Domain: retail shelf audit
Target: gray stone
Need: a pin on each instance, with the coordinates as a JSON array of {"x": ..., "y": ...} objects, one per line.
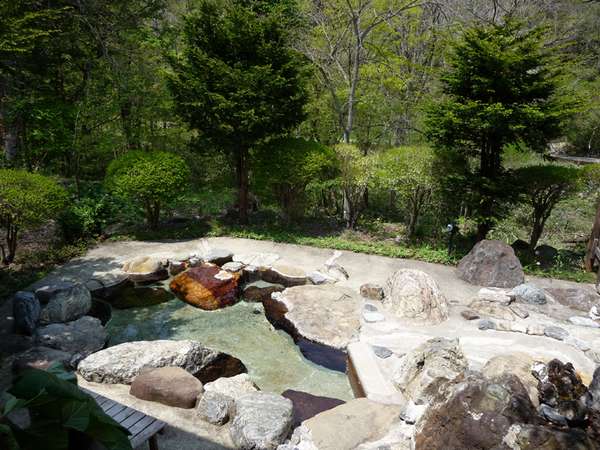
[
  {"x": 382, "y": 352},
  {"x": 233, "y": 387},
  {"x": 557, "y": 333},
  {"x": 492, "y": 294},
  {"x": 143, "y": 269},
  {"x": 64, "y": 302},
  {"x": 420, "y": 371},
  {"x": 584, "y": 322},
  {"x": 493, "y": 309},
  {"x": 528, "y": 293},
  {"x": 486, "y": 324},
  {"x": 233, "y": 266},
  {"x": 372, "y": 291},
  {"x": 594, "y": 391},
  {"x": 215, "y": 407},
  {"x": 122, "y": 363},
  {"x": 262, "y": 421},
  {"x": 26, "y": 312},
  {"x": 577, "y": 343},
  {"x": 412, "y": 294},
  {"x": 218, "y": 256},
  {"x": 84, "y": 336},
  {"x": 492, "y": 264}
]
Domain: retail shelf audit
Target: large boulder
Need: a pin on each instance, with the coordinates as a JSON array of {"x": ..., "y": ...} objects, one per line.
[
  {"x": 171, "y": 386},
  {"x": 325, "y": 314},
  {"x": 206, "y": 287},
  {"x": 262, "y": 421},
  {"x": 421, "y": 371},
  {"x": 412, "y": 294},
  {"x": 233, "y": 387},
  {"x": 123, "y": 362},
  {"x": 491, "y": 263},
  {"x": 307, "y": 405},
  {"x": 63, "y": 302},
  {"x": 518, "y": 364},
  {"x": 143, "y": 269},
  {"x": 26, "y": 312},
  {"x": 581, "y": 299},
  {"x": 357, "y": 422},
  {"x": 83, "y": 336},
  {"x": 477, "y": 414}
]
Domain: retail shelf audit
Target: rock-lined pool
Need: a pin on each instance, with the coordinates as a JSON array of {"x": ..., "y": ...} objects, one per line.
[{"x": 273, "y": 360}]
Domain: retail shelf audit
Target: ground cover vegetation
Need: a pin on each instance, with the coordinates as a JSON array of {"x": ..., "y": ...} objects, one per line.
[{"x": 402, "y": 128}]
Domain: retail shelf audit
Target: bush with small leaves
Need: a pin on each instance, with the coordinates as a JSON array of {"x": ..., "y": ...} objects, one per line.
[
  {"x": 150, "y": 178},
  {"x": 542, "y": 187},
  {"x": 27, "y": 200}
]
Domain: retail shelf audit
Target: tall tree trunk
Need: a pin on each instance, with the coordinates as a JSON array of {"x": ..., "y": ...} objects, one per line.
[
  {"x": 8, "y": 134},
  {"x": 243, "y": 183},
  {"x": 589, "y": 257},
  {"x": 353, "y": 78},
  {"x": 9, "y": 253}
]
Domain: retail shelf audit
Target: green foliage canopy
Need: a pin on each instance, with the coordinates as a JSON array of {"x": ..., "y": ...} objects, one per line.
[
  {"x": 409, "y": 171},
  {"x": 26, "y": 200},
  {"x": 152, "y": 178},
  {"x": 542, "y": 187},
  {"x": 288, "y": 168},
  {"x": 239, "y": 81},
  {"x": 501, "y": 88}
]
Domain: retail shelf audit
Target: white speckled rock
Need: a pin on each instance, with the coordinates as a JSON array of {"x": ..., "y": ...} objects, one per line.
[
  {"x": 215, "y": 407},
  {"x": 262, "y": 421},
  {"x": 123, "y": 362},
  {"x": 438, "y": 358},
  {"x": 584, "y": 322},
  {"x": 412, "y": 294},
  {"x": 234, "y": 387}
]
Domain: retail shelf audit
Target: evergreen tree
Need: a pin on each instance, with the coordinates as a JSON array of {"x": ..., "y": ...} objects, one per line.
[
  {"x": 239, "y": 81},
  {"x": 501, "y": 88}
]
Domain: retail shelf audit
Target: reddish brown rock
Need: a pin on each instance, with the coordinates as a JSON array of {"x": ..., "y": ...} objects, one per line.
[
  {"x": 206, "y": 286},
  {"x": 171, "y": 386}
]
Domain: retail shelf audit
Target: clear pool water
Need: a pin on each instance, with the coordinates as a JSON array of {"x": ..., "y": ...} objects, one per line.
[{"x": 273, "y": 360}]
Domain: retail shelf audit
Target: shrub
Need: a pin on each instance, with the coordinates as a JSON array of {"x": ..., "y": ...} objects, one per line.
[
  {"x": 26, "y": 200},
  {"x": 287, "y": 169},
  {"x": 408, "y": 171},
  {"x": 151, "y": 178},
  {"x": 84, "y": 219},
  {"x": 542, "y": 187},
  {"x": 357, "y": 171}
]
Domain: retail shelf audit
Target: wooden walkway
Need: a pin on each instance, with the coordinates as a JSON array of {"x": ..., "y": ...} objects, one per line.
[{"x": 141, "y": 426}]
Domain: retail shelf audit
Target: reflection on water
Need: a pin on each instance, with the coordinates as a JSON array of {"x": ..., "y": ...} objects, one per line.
[{"x": 273, "y": 360}]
